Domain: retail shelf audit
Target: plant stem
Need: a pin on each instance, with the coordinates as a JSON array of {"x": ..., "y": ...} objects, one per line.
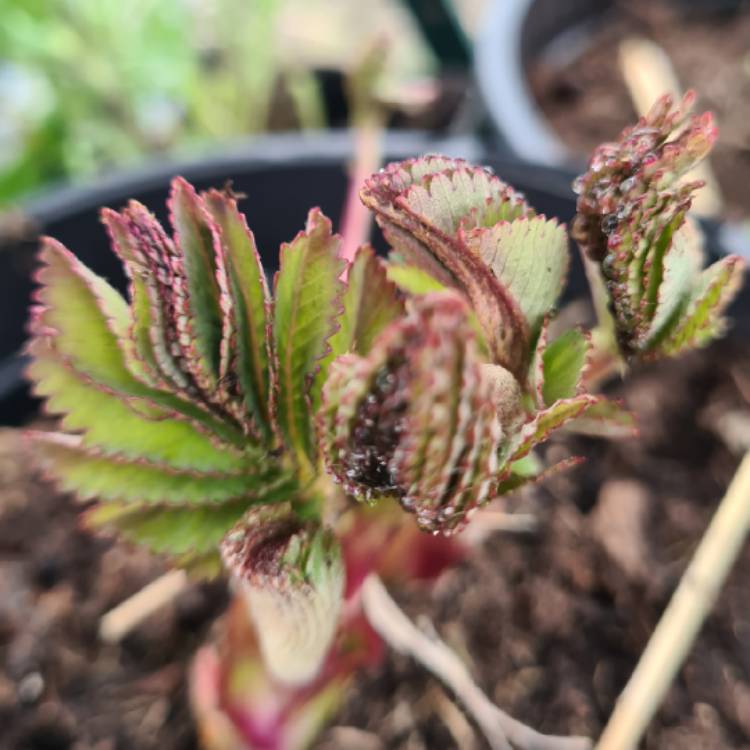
[
  {"x": 501, "y": 731},
  {"x": 356, "y": 220},
  {"x": 683, "y": 617}
]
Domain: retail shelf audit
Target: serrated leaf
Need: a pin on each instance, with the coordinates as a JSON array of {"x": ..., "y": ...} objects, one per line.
[
  {"x": 200, "y": 323},
  {"x": 535, "y": 380},
  {"x": 564, "y": 361},
  {"x": 251, "y": 306},
  {"x": 141, "y": 359},
  {"x": 607, "y": 419},
  {"x": 702, "y": 321},
  {"x": 82, "y": 317},
  {"x": 682, "y": 266},
  {"x": 150, "y": 259},
  {"x": 370, "y": 302},
  {"x": 530, "y": 258},
  {"x": 538, "y": 429},
  {"x": 90, "y": 475},
  {"x": 516, "y": 481},
  {"x": 306, "y": 304},
  {"x": 413, "y": 280},
  {"x": 175, "y": 531},
  {"x": 109, "y": 424},
  {"x": 430, "y": 209}
]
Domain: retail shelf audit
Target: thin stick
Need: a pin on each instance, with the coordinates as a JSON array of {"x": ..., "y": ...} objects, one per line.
[
  {"x": 683, "y": 617},
  {"x": 501, "y": 730},
  {"x": 118, "y": 622}
]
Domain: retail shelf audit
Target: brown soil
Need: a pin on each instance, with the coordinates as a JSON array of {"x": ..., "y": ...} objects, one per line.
[
  {"x": 587, "y": 102},
  {"x": 551, "y": 624}
]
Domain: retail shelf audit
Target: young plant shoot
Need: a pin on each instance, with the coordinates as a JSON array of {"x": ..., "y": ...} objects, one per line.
[{"x": 304, "y": 436}]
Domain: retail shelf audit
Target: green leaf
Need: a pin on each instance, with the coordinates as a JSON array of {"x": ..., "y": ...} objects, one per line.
[
  {"x": 413, "y": 280},
  {"x": 682, "y": 266},
  {"x": 371, "y": 301},
  {"x": 538, "y": 429},
  {"x": 701, "y": 322},
  {"x": 564, "y": 361},
  {"x": 307, "y": 302},
  {"x": 433, "y": 207},
  {"x": 85, "y": 314},
  {"x": 167, "y": 529},
  {"x": 607, "y": 419},
  {"x": 110, "y": 424},
  {"x": 90, "y": 475},
  {"x": 82, "y": 316},
  {"x": 200, "y": 321},
  {"x": 250, "y": 304},
  {"x": 530, "y": 258}
]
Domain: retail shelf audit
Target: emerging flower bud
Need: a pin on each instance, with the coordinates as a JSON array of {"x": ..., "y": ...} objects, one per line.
[
  {"x": 420, "y": 418},
  {"x": 292, "y": 578}
]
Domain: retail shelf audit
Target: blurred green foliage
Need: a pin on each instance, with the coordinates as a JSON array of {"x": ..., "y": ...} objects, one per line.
[{"x": 88, "y": 84}]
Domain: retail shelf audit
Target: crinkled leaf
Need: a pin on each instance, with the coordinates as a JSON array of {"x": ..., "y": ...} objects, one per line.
[
  {"x": 530, "y": 258},
  {"x": 250, "y": 305},
  {"x": 158, "y": 292},
  {"x": 90, "y": 475},
  {"x": 564, "y": 361},
  {"x": 201, "y": 319},
  {"x": 307, "y": 302},
  {"x": 83, "y": 317},
  {"x": 632, "y": 208},
  {"x": 420, "y": 419},
  {"x": 431, "y": 200}
]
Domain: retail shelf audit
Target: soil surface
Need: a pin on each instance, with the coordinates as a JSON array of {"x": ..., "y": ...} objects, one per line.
[
  {"x": 551, "y": 623},
  {"x": 580, "y": 89}
]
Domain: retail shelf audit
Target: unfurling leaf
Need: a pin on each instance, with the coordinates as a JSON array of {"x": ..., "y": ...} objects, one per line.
[
  {"x": 429, "y": 209},
  {"x": 631, "y": 220},
  {"x": 307, "y": 303},
  {"x": 292, "y": 578},
  {"x": 416, "y": 419}
]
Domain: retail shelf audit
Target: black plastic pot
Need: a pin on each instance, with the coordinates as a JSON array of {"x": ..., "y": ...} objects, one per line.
[{"x": 282, "y": 177}]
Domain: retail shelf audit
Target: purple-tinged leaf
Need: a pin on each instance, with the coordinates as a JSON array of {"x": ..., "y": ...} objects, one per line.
[
  {"x": 81, "y": 317},
  {"x": 198, "y": 292},
  {"x": 429, "y": 200},
  {"x": 134, "y": 428},
  {"x": 250, "y": 308},
  {"x": 421, "y": 418}
]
